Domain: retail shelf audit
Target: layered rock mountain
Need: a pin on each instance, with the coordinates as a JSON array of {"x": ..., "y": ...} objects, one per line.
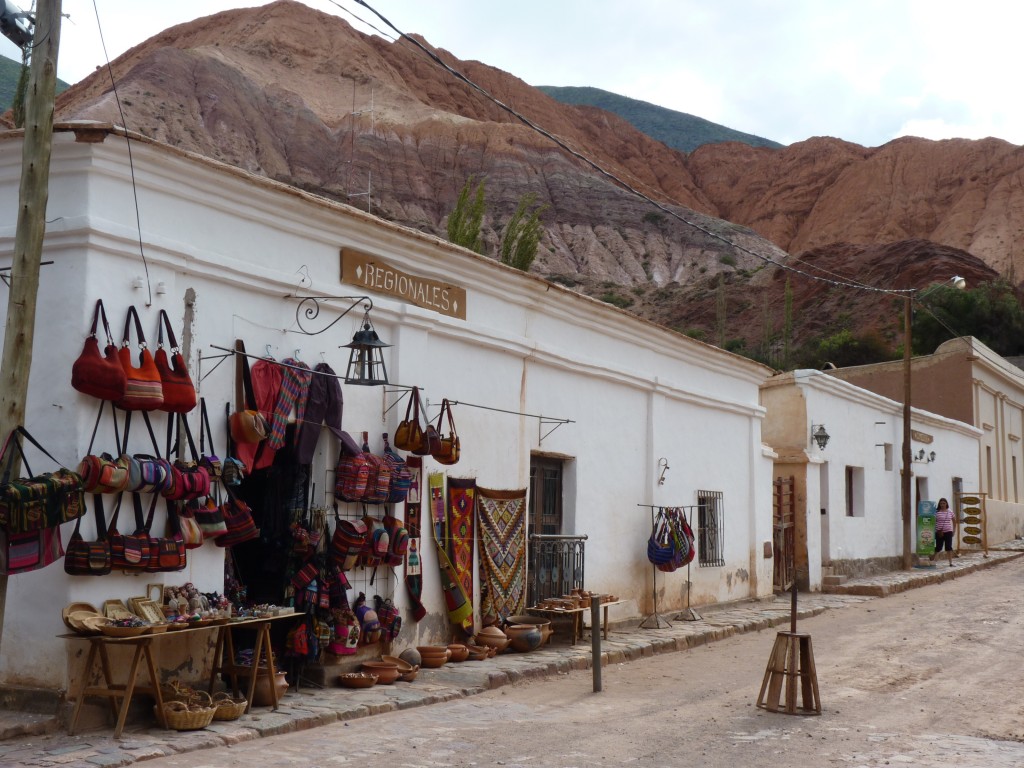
[{"x": 299, "y": 96}]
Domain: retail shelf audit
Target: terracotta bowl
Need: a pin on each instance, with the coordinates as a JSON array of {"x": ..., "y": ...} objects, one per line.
[
  {"x": 357, "y": 680},
  {"x": 434, "y": 656},
  {"x": 459, "y": 652},
  {"x": 403, "y": 665},
  {"x": 386, "y": 672}
]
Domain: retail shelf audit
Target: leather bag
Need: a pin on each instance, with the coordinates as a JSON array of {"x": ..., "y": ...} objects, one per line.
[
  {"x": 144, "y": 391},
  {"x": 99, "y": 374},
  {"x": 178, "y": 389},
  {"x": 409, "y": 434},
  {"x": 450, "y": 448}
]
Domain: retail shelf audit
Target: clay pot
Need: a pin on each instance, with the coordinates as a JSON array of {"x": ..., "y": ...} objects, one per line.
[
  {"x": 406, "y": 671},
  {"x": 538, "y": 621},
  {"x": 262, "y": 696},
  {"x": 478, "y": 652},
  {"x": 524, "y": 638},
  {"x": 492, "y": 637},
  {"x": 411, "y": 656},
  {"x": 459, "y": 652},
  {"x": 386, "y": 672}
]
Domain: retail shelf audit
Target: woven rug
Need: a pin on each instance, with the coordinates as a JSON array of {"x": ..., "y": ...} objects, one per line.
[
  {"x": 457, "y": 602},
  {"x": 502, "y": 519},
  {"x": 413, "y": 564},
  {"x": 459, "y": 545}
]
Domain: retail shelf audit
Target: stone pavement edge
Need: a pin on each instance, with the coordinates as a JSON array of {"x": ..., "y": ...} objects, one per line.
[{"x": 32, "y": 740}]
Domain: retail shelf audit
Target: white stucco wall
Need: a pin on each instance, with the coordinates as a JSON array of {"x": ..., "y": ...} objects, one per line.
[
  {"x": 635, "y": 392},
  {"x": 861, "y": 425}
]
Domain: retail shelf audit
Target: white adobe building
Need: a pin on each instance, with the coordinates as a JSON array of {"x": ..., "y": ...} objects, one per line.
[{"x": 233, "y": 251}]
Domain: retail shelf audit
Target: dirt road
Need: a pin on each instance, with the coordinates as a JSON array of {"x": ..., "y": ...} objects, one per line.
[{"x": 926, "y": 678}]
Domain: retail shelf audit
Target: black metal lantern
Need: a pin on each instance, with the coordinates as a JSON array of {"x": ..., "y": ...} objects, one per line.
[
  {"x": 366, "y": 361},
  {"x": 820, "y": 436}
]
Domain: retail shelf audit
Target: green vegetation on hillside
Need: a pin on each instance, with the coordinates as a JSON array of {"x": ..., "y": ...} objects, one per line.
[
  {"x": 9, "y": 71},
  {"x": 674, "y": 129}
]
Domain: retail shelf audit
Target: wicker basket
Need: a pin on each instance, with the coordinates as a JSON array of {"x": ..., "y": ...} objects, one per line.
[
  {"x": 180, "y": 716},
  {"x": 228, "y": 708}
]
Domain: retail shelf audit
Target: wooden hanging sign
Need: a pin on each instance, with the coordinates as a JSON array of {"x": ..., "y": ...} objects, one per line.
[{"x": 372, "y": 274}]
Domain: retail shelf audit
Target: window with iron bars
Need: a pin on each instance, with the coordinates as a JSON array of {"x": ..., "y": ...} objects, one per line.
[{"x": 710, "y": 528}]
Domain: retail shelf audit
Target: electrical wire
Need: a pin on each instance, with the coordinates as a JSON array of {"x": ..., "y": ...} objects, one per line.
[
  {"x": 836, "y": 281},
  {"x": 128, "y": 143}
]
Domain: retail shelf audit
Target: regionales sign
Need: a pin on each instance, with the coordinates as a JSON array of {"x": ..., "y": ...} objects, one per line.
[{"x": 373, "y": 274}]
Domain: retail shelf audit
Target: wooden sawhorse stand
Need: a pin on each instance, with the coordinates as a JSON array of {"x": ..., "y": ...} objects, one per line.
[
  {"x": 224, "y": 660},
  {"x": 791, "y": 661},
  {"x": 114, "y": 691}
]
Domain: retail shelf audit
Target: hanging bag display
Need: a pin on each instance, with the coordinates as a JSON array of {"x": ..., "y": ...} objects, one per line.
[
  {"x": 99, "y": 374},
  {"x": 144, "y": 391},
  {"x": 89, "y": 558},
  {"x": 30, "y": 551},
  {"x": 209, "y": 461},
  {"x": 190, "y": 479},
  {"x": 179, "y": 392},
  {"x": 352, "y": 473},
  {"x": 209, "y": 517},
  {"x": 378, "y": 479},
  {"x": 127, "y": 552},
  {"x": 347, "y": 542},
  {"x": 409, "y": 435},
  {"x": 247, "y": 425},
  {"x": 450, "y": 447},
  {"x": 240, "y": 525},
  {"x": 191, "y": 533},
  {"x": 104, "y": 473},
  {"x": 401, "y": 476},
  {"x": 38, "y": 501}
]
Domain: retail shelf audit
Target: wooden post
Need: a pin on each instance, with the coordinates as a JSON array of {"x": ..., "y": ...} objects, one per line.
[{"x": 16, "y": 363}]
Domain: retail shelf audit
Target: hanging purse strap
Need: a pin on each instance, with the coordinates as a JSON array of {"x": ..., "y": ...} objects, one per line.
[
  {"x": 446, "y": 408},
  {"x": 164, "y": 321},
  {"x": 126, "y": 338},
  {"x": 204, "y": 428},
  {"x": 9, "y": 463},
  {"x": 413, "y": 405},
  {"x": 244, "y": 392},
  {"x": 182, "y": 424},
  {"x": 96, "y": 426},
  {"x": 98, "y": 314},
  {"x": 123, "y": 448},
  {"x": 140, "y": 524}
]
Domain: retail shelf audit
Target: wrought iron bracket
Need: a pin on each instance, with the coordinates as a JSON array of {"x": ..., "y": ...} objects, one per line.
[{"x": 309, "y": 308}]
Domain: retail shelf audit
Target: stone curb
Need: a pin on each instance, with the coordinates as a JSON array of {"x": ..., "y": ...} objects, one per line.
[{"x": 314, "y": 708}]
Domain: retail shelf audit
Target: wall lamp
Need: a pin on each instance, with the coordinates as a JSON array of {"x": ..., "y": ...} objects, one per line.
[
  {"x": 927, "y": 458},
  {"x": 366, "y": 356},
  {"x": 820, "y": 436}
]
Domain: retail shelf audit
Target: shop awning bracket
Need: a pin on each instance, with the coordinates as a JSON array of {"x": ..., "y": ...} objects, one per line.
[
  {"x": 542, "y": 421},
  {"x": 309, "y": 308}
]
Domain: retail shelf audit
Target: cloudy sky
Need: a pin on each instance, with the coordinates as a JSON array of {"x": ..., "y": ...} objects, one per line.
[{"x": 867, "y": 71}]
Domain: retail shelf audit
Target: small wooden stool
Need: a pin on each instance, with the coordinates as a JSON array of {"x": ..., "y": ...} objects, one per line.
[{"x": 791, "y": 659}]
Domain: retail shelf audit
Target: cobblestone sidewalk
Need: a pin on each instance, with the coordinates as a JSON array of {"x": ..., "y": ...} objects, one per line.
[{"x": 34, "y": 740}]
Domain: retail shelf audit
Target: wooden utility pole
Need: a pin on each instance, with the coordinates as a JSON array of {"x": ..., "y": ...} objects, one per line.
[{"x": 16, "y": 363}]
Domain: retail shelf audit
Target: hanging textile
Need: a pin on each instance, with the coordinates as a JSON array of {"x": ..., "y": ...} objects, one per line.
[
  {"x": 292, "y": 394},
  {"x": 266, "y": 383},
  {"x": 461, "y": 502},
  {"x": 413, "y": 524},
  {"x": 458, "y": 604},
  {"x": 324, "y": 405},
  {"x": 502, "y": 518}
]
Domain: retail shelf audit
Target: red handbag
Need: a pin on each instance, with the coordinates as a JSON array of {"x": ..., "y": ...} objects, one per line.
[
  {"x": 99, "y": 375},
  {"x": 144, "y": 391},
  {"x": 179, "y": 392}
]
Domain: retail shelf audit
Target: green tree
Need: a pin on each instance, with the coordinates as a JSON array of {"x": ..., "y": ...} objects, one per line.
[
  {"x": 844, "y": 348},
  {"x": 521, "y": 238},
  {"x": 466, "y": 219},
  {"x": 20, "y": 91},
  {"x": 990, "y": 312}
]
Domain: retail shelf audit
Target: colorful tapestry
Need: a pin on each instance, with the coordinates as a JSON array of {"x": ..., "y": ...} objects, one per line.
[
  {"x": 461, "y": 534},
  {"x": 502, "y": 518},
  {"x": 413, "y": 567},
  {"x": 457, "y": 600}
]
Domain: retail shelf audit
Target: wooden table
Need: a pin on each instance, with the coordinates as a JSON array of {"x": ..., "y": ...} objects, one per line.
[
  {"x": 145, "y": 653},
  {"x": 576, "y": 614}
]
